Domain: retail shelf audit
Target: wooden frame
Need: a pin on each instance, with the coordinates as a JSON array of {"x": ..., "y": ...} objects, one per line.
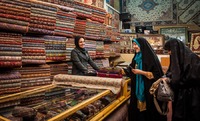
[
  {"x": 155, "y": 40},
  {"x": 180, "y": 33},
  {"x": 195, "y": 42}
]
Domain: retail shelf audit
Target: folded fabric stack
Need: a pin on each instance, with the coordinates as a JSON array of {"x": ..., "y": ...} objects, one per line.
[
  {"x": 10, "y": 50},
  {"x": 55, "y": 47},
  {"x": 98, "y": 14},
  {"x": 14, "y": 15},
  {"x": 80, "y": 26},
  {"x": 33, "y": 50},
  {"x": 107, "y": 50},
  {"x": 10, "y": 81},
  {"x": 92, "y": 30},
  {"x": 69, "y": 67},
  {"x": 82, "y": 10},
  {"x": 43, "y": 18},
  {"x": 99, "y": 49},
  {"x": 90, "y": 46},
  {"x": 61, "y": 68},
  {"x": 65, "y": 22},
  {"x": 34, "y": 76},
  {"x": 69, "y": 47},
  {"x": 112, "y": 72}
]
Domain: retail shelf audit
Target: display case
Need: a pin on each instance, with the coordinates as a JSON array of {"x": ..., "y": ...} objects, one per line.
[{"x": 68, "y": 98}]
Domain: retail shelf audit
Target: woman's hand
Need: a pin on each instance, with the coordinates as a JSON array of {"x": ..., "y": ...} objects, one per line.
[
  {"x": 137, "y": 71},
  {"x": 149, "y": 75}
]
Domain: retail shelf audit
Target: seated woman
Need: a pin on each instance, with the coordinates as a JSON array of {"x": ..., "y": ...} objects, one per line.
[{"x": 80, "y": 58}]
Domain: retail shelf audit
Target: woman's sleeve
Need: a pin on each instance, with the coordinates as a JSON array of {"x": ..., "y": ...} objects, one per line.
[
  {"x": 75, "y": 59},
  {"x": 91, "y": 62},
  {"x": 128, "y": 70}
]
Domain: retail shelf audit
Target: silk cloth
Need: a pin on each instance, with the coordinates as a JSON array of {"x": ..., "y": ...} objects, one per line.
[{"x": 90, "y": 82}]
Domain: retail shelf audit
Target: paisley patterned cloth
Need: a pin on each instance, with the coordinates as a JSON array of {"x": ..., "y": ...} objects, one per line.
[{"x": 89, "y": 82}]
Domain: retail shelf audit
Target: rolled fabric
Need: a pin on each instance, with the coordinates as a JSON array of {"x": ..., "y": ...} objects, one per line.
[{"x": 90, "y": 82}]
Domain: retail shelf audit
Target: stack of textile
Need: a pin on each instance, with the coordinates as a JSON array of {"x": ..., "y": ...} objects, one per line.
[
  {"x": 80, "y": 26},
  {"x": 55, "y": 69},
  {"x": 32, "y": 100},
  {"x": 98, "y": 14},
  {"x": 33, "y": 76},
  {"x": 112, "y": 72},
  {"x": 65, "y": 22},
  {"x": 99, "y": 49},
  {"x": 10, "y": 50},
  {"x": 90, "y": 46},
  {"x": 33, "y": 50},
  {"x": 10, "y": 81},
  {"x": 43, "y": 18},
  {"x": 14, "y": 15},
  {"x": 107, "y": 50},
  {"x": 82, "y": 10},
  {"x": 55, "y": 47},
  {"x": 109, "y": 33},
  {"x": 92, "y": 30},
  {"x": 69, "y": 47},
  {"x": 69, "y": 67}
]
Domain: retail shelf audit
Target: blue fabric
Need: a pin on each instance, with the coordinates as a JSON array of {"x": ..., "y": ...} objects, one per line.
[
  {"x": 139, "y": 80},
  {"x": 134, "y": 40}
]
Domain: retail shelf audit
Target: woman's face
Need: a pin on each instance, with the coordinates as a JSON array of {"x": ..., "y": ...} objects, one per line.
[
  {"x": 81, "y": 43},
  {"x": 136, "y": 47}
]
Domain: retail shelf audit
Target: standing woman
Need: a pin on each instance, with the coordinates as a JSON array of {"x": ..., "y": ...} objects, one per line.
[
  {"x": 144, "y": 70},
  {"x": 184, "y": 71},
  {"x": 80, "y": 58}
]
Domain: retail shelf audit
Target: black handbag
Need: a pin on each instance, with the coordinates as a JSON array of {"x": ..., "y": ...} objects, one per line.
[{"x": 162, "y": 91}]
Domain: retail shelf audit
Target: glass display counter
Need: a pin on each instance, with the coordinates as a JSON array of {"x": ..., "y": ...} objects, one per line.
[{"x": 60, "y": 101}]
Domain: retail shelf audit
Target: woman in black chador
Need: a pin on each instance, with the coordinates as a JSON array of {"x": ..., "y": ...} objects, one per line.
[
  {"x": 144, "y": 70},
  {"x": 184, "y": 71}
]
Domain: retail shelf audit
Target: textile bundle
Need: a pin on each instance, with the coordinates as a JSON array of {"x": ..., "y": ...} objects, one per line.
[
  {"x": 34, "y": 76},
  {"x": 65, "y": 22},
  {"x": 112, "y": 72},
  {"x": 33, "y": 50},
  {"x": 99, "y": 49},
  {"x": 55, "y": 47},
  {"x": 69, "y": 47},
  {"x": 10, "y": 50},
  {"x": 10, "y": 81},
  {"x": 55, "y": 69},
  {"x": 14, "y": 15},
  {"x": 90, "y": 82}
]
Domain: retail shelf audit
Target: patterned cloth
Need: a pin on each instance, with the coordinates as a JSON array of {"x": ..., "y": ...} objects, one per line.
[{"x": 90, "y": 82}]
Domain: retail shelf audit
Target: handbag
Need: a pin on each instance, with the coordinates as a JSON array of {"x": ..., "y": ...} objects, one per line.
[{"x": 162, "y": 91}]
